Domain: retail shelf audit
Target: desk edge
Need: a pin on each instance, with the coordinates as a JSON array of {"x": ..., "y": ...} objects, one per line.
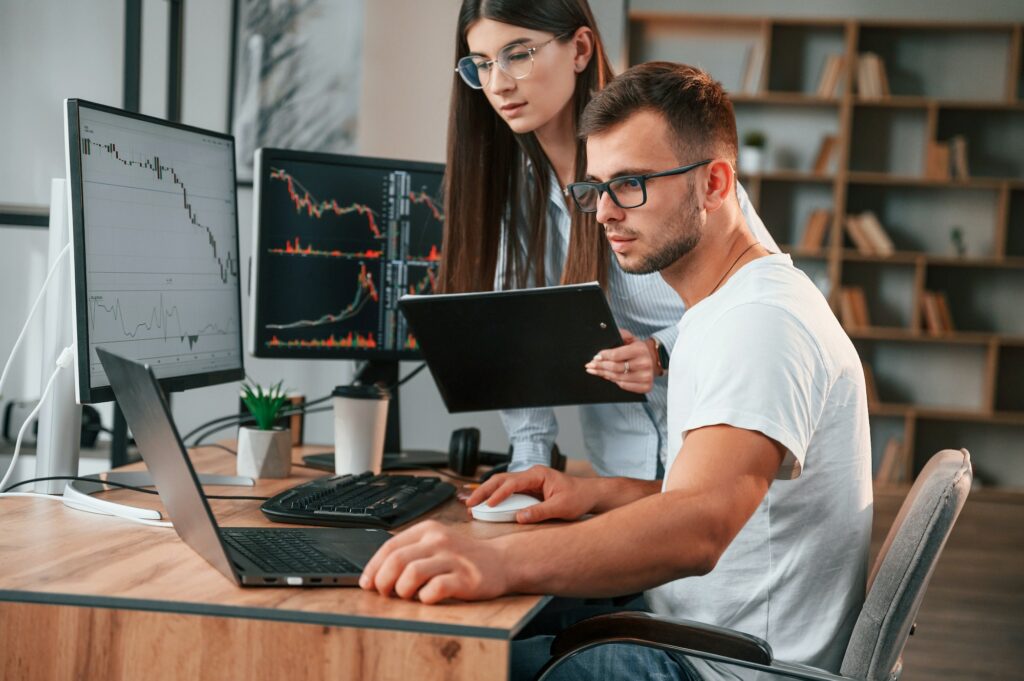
[{"x": 271, "y": 614}]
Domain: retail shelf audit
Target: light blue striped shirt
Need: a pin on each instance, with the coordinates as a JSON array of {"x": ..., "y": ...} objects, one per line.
[{"x": 626, "y": 439}]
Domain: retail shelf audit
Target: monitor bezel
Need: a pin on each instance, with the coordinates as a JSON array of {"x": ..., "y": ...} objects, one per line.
[
  {"x": 85, "y": 392},
  {"x": 264, "y": 157}
]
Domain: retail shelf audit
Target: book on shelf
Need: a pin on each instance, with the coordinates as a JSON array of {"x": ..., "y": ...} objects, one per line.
[
  {"x": 853, "y": 308},
  {"x": 936, "y": 162},
  {"x": 870, "y": 387},
  {"x": 958, "y": 157},
  {"x": 753, "y": 68},
  {"x": 875, "y": 233},
  {"x": 945, "y": 317},
  {"x": 858, "y": 236},
  {"x": 890, "y": 469},
  {"x": 831, "y": 76},
  {"x": 814, "y": 230},
  {"x": 872, "y": 83},
  {"x": 868, "y": 235},
  {"x": 936, "y": 316},
  {"x": 823, "y": 161}
]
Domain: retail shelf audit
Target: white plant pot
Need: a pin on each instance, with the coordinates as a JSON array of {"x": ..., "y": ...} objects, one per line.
[
  {"x": 751, "y": 160},
  {"x": 264, "y": 453}
]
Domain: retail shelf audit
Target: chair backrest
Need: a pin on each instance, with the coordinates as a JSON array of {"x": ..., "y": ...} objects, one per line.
[{"x": 904, "y": 565}]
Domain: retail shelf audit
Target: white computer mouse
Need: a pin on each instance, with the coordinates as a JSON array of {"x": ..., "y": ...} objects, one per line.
[{"x": 505, "y": 512}]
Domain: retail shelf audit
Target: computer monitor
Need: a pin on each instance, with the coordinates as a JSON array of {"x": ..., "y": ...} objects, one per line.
[
  {"x": 154, "y": 224},
  {"x": 155, "y": 264},
  {"x": 338, "y": 240}
]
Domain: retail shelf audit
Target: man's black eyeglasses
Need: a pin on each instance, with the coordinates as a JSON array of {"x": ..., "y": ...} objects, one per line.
[{"x": 628, "y": 191}]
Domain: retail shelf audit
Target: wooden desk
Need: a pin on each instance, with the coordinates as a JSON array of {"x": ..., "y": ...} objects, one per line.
[{"x": 85, "y": 596}]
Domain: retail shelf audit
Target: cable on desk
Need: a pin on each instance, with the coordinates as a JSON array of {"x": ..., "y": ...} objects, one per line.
[
  {"x": 241, "y": 420},
  {"x": 233, "y": 452},
  {"x": 453, "y": 476},
  {"x": 235, "y": 418},
  {"x": 111, "y": 483},
  {"x": 220, "y": 446}
]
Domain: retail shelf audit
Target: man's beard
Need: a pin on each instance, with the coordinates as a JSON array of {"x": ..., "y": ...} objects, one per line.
[{"x": 685, "y": 233}]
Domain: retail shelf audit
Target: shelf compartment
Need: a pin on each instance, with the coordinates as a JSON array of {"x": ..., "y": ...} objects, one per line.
[
  {"x": 942, "y": 62},
  {"x": 927, "y": 376},
  {"x": 995, "y": 140},
  {"x": 895, "y": 141},
  {"x": 785, "y": 206},
  {"x": 720, "y": 48},
  {"x": 994, "y": 448},
  {"x": 921, "y": 218},
  {"x": 883, "y": 428},
  {"x": 798, "y": 56},
  {"x": 981, "y": 299},
  {"x": 888, "y": 288},
  {"x": 1015, "y": 225},
  {"x": 1010, "y": 380},
  {"x": 792, "y": 135}
]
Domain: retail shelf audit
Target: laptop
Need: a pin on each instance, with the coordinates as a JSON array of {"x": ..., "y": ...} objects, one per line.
[{"x": 249, "y": 556}]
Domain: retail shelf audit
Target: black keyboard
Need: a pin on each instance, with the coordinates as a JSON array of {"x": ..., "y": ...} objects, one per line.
[
  {"x": 364, "y": 500},
  {"x": 285, "y": 552}
]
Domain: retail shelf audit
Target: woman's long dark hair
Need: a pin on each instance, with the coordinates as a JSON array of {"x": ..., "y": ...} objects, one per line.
[{"x": 486, "y": 180}]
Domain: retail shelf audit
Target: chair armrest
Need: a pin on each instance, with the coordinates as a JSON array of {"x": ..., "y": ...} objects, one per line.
[
  {"x": 656, "y": 630},
  {"x": 690, "y": 638}
]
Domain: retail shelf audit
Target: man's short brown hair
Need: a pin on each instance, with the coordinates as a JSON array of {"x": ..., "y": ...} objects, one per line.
[{"x": 696, "y": 107}]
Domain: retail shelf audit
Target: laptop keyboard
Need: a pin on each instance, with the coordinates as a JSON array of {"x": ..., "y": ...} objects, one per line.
[
  {"x": 285, "y": 552},
  {"x": 365, "y": 500}
]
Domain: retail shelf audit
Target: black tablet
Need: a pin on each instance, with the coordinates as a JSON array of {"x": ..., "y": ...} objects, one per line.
[{"x": 514, "y": 349}]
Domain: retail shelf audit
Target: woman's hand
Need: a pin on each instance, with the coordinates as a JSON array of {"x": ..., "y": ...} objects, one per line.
[
  {"x": 632, "y": 366},
  {"x": 564, "y": 497}
]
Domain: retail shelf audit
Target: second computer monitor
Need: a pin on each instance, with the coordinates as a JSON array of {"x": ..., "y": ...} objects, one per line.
[{"x": 339, "y": 239}]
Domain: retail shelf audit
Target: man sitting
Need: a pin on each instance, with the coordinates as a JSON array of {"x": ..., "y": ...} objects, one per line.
[{"x": 763, "y": 521}]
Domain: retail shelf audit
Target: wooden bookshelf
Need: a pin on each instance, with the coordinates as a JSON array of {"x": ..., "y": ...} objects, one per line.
[{"x": 959, "y": 236}]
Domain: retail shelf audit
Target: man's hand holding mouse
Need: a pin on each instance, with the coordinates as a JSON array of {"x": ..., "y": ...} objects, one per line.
[{"x": 564, "y": 497}]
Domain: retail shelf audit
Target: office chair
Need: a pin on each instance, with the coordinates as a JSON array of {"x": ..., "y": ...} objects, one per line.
[{"x": 896, "y": 588}]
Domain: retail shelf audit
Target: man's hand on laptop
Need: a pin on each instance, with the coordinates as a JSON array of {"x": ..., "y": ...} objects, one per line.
[
  {"x": 435, "y": 563},
  {"x": 563, "y": 497}
]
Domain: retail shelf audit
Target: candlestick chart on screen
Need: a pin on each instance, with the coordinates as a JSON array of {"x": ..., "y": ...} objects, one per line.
[{"x": 338, "y": 245}]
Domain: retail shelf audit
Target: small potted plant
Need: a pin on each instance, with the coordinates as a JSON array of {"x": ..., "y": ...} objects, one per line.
[
  {"x": 752, "y": 152},
  {"x": 264, "y": 451}
]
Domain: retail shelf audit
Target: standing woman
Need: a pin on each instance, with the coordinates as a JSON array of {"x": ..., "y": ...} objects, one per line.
[{"x": 525, "y": 71}]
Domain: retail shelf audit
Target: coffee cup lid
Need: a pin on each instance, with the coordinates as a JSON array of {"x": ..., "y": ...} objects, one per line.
[{"x": 370, "y": 391}]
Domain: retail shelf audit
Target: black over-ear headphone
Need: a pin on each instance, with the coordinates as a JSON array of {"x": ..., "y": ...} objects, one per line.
[{"x": 464, "y": 454}]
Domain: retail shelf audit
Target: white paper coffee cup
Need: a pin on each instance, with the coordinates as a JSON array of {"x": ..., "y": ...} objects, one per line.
[{"x": 360, "y": 423}]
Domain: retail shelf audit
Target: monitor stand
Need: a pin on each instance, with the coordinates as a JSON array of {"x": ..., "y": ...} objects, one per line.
[{"x": 77, "y": 493}]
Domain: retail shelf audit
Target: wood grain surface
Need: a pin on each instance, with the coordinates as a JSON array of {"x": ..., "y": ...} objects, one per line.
[{"x": 67, "y": 555}]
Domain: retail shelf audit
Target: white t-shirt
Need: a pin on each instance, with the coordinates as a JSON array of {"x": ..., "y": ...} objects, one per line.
[{"x": 766, "y": 353}]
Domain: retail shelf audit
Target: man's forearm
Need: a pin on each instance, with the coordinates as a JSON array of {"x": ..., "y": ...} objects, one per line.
[
  {"x": 623, "y": 551},
  {"x": 614, "y": 493}
]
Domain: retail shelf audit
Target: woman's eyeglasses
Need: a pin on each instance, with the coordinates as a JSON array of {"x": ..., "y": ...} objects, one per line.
[
  {"x": 514, "y": 60},
  {"x": 628, "y": 191}
]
